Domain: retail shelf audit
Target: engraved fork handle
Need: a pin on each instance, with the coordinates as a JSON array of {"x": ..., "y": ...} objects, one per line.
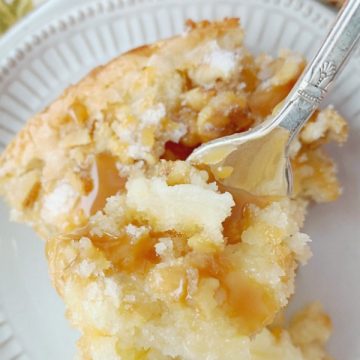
[{"x": 313, "y": 85}]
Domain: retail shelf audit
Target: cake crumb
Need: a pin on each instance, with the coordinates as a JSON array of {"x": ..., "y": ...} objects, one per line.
[
  {"x": 153, "y": 115},
  {"x": 58, "y": 202},
  {"x": 220, "y": 59}
]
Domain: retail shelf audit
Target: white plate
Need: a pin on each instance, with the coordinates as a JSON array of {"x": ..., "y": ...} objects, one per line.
[{"x": 61, "y": 42}]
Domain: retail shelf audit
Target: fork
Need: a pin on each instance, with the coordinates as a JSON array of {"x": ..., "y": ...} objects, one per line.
[{"x": 258, "y": 161}]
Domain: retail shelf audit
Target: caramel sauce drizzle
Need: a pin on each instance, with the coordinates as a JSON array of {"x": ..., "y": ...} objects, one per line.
[{"x": 106, "y": 182}]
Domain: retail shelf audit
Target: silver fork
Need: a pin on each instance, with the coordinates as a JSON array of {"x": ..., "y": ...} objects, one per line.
[{"x": 257, "y": 161}]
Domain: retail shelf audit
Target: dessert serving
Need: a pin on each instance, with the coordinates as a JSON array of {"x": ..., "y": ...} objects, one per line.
[{"x": 153, "y": 258}]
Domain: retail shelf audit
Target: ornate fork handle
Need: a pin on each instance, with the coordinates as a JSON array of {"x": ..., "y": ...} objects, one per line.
[
  {"x": 315, "y": 89},
  {"x": 313, "y": 85}
]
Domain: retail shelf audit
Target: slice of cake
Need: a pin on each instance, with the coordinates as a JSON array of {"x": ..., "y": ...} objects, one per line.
[
  {"x": 166, "y": 272},
  {"x": 152, "y": 257}
]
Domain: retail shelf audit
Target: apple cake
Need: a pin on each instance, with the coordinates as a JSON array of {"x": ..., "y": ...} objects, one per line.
[{"x": 153, "y": 258}]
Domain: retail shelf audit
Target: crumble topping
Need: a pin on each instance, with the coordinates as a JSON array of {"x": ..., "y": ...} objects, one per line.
[
  {"x": 153, "y": 258},
  {"x": 221, "y": 60},
  {"x": 60, "y": 201},
  {"x": 154, "y": 115}
]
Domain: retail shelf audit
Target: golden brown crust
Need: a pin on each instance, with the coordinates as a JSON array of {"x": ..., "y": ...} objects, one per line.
[{"x": 97, "y": 79}]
